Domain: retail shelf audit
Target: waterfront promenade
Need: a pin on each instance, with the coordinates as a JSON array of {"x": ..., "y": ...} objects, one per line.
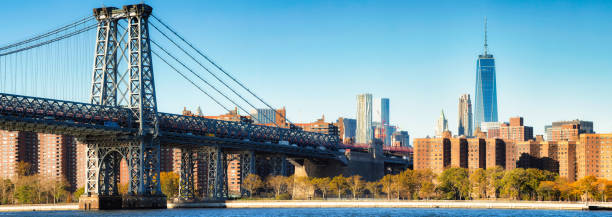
[{"x": 478, "y": 204}]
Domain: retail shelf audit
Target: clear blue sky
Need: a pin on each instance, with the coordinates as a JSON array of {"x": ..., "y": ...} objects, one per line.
[{"x": 554, "y": 59}]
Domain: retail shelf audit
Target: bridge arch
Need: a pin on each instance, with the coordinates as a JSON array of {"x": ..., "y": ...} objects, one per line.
[{"x": 109, "y": 172}]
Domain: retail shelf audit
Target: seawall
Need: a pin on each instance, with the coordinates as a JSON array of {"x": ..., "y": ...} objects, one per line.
[
  {"x": 396, "y": 204},
  {"x": 39, "y": 207}
]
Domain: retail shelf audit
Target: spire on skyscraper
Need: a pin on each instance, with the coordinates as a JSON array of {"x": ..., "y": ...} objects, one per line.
[{"x": 485, "y": 34}]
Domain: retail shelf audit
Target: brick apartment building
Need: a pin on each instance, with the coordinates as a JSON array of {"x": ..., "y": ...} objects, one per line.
[
  {"x": 432, "y": 153},
  {"x": 594, "y": 156},
  {"x": 568, "y": 130},
  {"x": 57, "y": 156},
  {"x": 319, "y": 126},
  {"x": 516, "y": 130},
  {"x": 17, "y": 147},
  {"x": 477, "y": 153}
]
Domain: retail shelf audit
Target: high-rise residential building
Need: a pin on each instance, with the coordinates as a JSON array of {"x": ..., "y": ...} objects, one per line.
[
  {"x": 459, "y": 152},
  {"x": 465, "y": 116},
  {"x": 567, "y": 159},
  {"x": 515, "y": 130},
  {"x": 442, "y": 125},
  {"x": 477, "y": 153},
  {"x": 568, "y": 130},
  {"x": 347, "y": 128},
  {"x": 364, "y": 118},
  {"x": 496, "y": 153},
  {"x": 594, "y": 156},
  {"x": 81, "y": 161},
  {"x": 485, "y": 109},
  {"x": 57, "y": 154},
  {"x": 17, "y": 147},
  {"x": 432, "y": 153}
]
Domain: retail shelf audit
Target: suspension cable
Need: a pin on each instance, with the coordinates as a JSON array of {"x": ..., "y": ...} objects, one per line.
[
  {"x": 51, "y": 40},
  {"x": 83, "y": 20},
  {"x": 209, "y": 72},
  {"x": 190, "y": 81},
  {"x": 202, "y": 79},
  {"x": 219, "y": 67}
]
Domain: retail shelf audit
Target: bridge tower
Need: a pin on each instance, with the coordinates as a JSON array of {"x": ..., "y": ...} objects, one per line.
[{"x": 132, "y": 88}]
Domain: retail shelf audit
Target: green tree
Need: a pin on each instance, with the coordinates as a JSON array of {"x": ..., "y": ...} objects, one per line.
[
  {"x": 386, "y": 182},
  {"x": 588, "y": 187},
  {"x": 494, "y": 181},
  {"x": 522, "y": 183},
  {"x": 26, "y": 194},
  {"x": 59, "y": 189},
  {"x": 251, "y": 183},
  {"x": 373, "y": 188},
  {"x": 455, "y": 184},
  {"x": 426, "y": 186},
  {"x": 607, "y": 191},
  {"x": 479, "y": 182},
  {"x": 303, "y": 188},
  {"x": 24, "y": 169},
  {"x": 547, "y": 191},
  {"x": 397, "y": 183},
  {"x": 6, "y": 191},
  {"x": 79, "y": 191},
  {"x": 564, "y": 188},
  {"x": 277, "y": 183},
  {"x": 339, "y": 185},
  {"x": 409, "y": 183},
  {"x": 356, "y": 185},
  {"x": 169, "y": 184},
  {"x": 322, "y": 184}
]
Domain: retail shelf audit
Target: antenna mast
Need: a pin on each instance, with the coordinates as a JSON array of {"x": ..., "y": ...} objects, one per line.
[{"x": 485, "y": 34}]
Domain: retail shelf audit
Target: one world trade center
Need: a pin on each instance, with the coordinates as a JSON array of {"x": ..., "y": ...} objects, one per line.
[{"x": 485, "y": 109}]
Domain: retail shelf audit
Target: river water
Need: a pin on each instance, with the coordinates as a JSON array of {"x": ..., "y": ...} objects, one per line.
[{"x": 313, "y": 212}]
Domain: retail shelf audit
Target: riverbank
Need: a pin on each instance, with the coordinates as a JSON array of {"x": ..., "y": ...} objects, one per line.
[
  {"x": 347, "y": 204},
  {"x": 397, "y": 204},
  {"x": 39, "y": 207}
]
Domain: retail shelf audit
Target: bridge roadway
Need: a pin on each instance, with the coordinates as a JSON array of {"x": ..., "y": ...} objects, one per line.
[{"x": 105, "y": 124}]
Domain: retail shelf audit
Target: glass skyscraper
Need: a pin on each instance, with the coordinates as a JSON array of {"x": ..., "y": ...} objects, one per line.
[
  {"x": 364, "y": 119},
  {"x": 485, "y": 109},
  {"x": 384, "y": 120}
]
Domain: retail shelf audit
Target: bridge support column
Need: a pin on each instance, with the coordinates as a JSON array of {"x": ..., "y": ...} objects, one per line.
[
  {"x": 216, "y": 166},
  {"x": 221, "y": 174},
  {"x": 247, "y": 166},
  {"x": 103, "y": 164},
  {"x": 279, "y": 165},
  {"x": 186, "y": 189}
]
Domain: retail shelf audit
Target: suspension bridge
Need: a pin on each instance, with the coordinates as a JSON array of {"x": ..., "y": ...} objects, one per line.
[{"x": 42, "y": 83}]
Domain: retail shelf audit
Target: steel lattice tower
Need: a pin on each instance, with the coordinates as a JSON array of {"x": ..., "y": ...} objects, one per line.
[{"x": 132, "y": 88}]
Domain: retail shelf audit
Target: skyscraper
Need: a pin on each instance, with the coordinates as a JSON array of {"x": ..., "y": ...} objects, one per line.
[
  {"x": 384, "y": 120},
  {"x": 486, "y": 89},
  {"x": 442, "y": 125},
  {"x": 364, "y": 118},
  {"x": 465, "y": 116}
]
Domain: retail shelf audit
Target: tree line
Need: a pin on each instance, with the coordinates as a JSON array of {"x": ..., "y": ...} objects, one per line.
[
  {"x": 451, "y": 184},
  {"x": 30, "y": 188}
]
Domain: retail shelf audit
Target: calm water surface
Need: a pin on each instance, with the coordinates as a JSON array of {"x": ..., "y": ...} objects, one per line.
[{"x": 315, "y": 212}]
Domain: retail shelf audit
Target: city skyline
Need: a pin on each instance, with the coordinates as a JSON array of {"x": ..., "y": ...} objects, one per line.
[{"x": 534, "y": 57}]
